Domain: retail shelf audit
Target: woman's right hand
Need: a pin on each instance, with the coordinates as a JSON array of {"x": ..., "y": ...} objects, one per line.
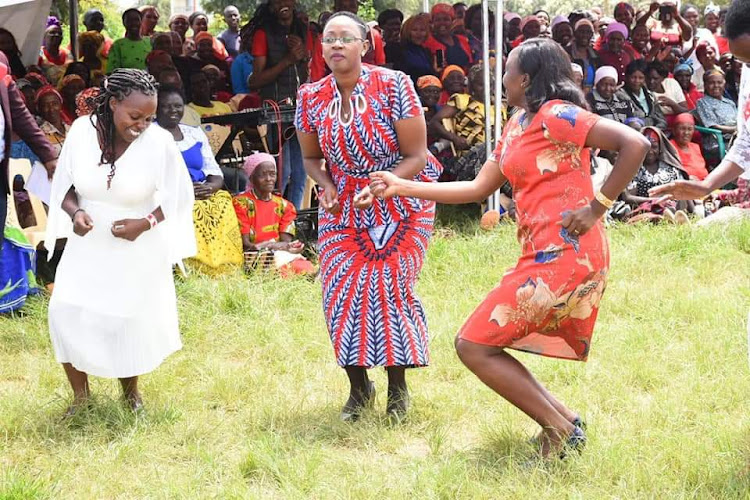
[
  {"x": 681, "y": 190},
  {"x": 330, "y": 200},
  {"x": 384, "y": 184},
  {"x": 460, "y": 143},
  {"x": 82, "y": 223}
]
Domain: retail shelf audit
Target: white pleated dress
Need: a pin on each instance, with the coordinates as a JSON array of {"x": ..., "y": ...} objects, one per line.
[{"x": 113, "y": 312}]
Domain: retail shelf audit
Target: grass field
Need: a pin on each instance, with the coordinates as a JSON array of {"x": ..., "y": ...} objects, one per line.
[{"x": 249, "y": 407}]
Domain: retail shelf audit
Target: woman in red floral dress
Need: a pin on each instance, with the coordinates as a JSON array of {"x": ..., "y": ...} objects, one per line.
[
  {"x": 358, "y": 120},
  {"x": 548, "y": 303}
]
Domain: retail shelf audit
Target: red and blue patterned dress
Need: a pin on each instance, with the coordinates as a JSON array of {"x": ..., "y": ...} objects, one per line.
[{"x": 370, "y": 259}]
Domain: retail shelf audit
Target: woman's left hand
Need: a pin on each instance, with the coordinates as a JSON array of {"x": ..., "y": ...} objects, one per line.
[
  {"x": 130, "y": 229},
  {"x": 578, "y": 222},
  {"x": 202, "y": 191},
  {"x": 364, "y": 198}
]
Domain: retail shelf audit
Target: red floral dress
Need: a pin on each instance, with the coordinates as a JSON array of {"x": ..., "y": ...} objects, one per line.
[
  {"x": 370, "y": 259},
  {"x": 548, "y": 303}
]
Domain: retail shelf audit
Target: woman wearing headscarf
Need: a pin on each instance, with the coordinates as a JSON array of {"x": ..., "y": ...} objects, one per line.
[
  {"x": 691, "y": 156},
  {"x": 447, "y": 48},
  {"x": 206, "y": 52},
  {"x": 266, "y": 220},
  {"x": 604, "y": 99},
  {"x": 179, "y": 24},
  {"x": 683, "y": 74},
  {"x": 52, "y": 57},
  {"x": 149, "y": 20},
  {"x": 454, "y": 82},
  {"x": 70, "y": 86},
  {"x": 48, "y": 103},
  {"x": 616, "y": 52},
  {"x": 414, "y": 58},
  {"x": 90, "y": 46},
  {"x": 530, "y": 28},
  {"x": 581, "y": 52},
  {"x": 661, "y": 166},
  {"x": 624, "y": 14},
  {"x": 562, "y": 31},
  {"x": 199, "y": 24}
]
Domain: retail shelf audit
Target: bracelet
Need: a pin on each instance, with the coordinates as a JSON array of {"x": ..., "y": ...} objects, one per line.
[
  {"x": 606, "y": 202},
  {"x": 72, "y": 217},
  {"x": 151, "y": 218}
]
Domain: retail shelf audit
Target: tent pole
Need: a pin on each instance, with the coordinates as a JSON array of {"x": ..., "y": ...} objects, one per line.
[
  {"x": 494, "y": 201},
  {"x": 426, "y": 6},
  {"x": 74, "y": 28},
  {"x": 487, "y": 98}
]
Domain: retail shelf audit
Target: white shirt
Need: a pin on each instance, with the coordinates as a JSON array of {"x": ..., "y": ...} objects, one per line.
[
  {"x": 191, "y": 135},
  {"x": 739, "y": 153}
]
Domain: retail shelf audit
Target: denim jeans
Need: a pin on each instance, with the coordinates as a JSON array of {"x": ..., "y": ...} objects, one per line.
[{"x": 293, "y": 172}]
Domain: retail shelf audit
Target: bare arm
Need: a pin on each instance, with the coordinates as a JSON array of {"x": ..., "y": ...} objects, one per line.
[
  {"x": 312, "y": 158},
  {"x": 436, "y": 123},
  {"x": 489, "y": 180},
  {"x": 263, "y": 76},
  {"x": 412, "y": 144}
]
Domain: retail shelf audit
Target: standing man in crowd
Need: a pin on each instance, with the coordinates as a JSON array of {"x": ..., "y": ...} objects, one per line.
[
  {"x": 15, "y": 117},
  {"x": 230, "y": 37}
]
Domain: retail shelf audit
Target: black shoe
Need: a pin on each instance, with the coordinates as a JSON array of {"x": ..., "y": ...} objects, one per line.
[
  {"x": 397, "y": 410},
  {"x": 579, "y": 422},
  {"x": 352, "y": 414},
  {"x": 576, "y": 442}
]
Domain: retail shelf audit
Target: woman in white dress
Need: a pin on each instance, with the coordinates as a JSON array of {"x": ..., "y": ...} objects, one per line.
[{"x": 123, "y": 184}]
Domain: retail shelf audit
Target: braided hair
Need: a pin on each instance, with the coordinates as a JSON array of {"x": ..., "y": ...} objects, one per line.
[
  {"x": 265, "y": 18},
  {"x": 119, "y": 85}
]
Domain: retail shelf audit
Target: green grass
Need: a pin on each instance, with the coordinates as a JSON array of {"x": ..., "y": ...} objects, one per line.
[{"x": 249, "y": 407}]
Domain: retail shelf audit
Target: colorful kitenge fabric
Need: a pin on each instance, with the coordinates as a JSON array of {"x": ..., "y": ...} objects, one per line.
[
  {"x": 264, "y": 220},
  {"x": 549, "y": 302},
  {"x": 370, "y": 259},
  {"x": 17, "y": 270},
  {"x": 470, "y": 117},
  {"x": 216, "y": 233}
]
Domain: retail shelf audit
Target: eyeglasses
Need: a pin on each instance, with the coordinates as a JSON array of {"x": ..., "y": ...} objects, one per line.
[{"x": 345, "y": 40}]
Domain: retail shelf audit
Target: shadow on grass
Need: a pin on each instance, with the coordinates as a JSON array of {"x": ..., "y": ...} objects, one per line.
[
  {"x": 105, "y": 419},
  {"x": 460, "y": 218}
]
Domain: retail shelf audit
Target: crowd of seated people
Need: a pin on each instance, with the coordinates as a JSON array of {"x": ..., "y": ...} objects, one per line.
[{"x": 661, "y": 69}]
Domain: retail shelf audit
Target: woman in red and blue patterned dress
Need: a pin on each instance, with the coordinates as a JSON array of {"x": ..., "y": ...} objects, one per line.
[
  {"x": 548, "y": 303},
  {"x": 358, "y": 120}
]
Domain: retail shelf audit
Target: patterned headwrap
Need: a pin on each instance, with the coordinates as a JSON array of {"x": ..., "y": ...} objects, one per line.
[
  {"x": 576, "y": 68},
  {"x": 252, "y": 162},
  {"x": 583, "y": 22},
  {"x": 711, "y": 8},
  {"x": 68, "y": 79},
  {"x": 86, "y": 101},
  {"x": 90, "y": 36},
  {"x": 450, "y": 69},
  {"x": 53, "y": 22},
  {"x": 203, "y": 35},
  {"x": 443, "y": 8},
  {"x": 47, "y": 90},
  {"x": 637, "y": 120},
  {"x": 683, "y": 66},
  {"x": 428, "y": 81}
]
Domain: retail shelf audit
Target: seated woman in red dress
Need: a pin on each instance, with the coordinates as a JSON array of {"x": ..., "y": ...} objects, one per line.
[
  {"x": 690, "y": 153},
  {"x": 549, "y": 302},
  {"x": 267, "y": 220}
]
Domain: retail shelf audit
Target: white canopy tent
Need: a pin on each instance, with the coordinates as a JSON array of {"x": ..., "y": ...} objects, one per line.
[{"x": 26, "y": 19}]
